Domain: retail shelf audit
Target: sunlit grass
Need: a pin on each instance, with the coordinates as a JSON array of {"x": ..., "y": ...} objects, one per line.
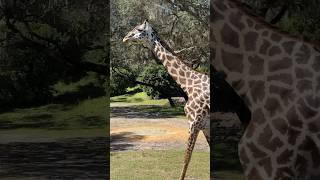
[
  {"x": 158, "y": 165},
  {"x": 137, "y": 99}
]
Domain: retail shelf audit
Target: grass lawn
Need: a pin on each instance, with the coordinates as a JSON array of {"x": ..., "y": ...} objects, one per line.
[
  {"x": 140, "y": 98},
  {"x": 145, "y": 104},
  {"x": 158, "y": 165},
  {"x": 90, "y": 113},
  {"x": 76, "y": 114},
  {"x": 226, "y": 163}
]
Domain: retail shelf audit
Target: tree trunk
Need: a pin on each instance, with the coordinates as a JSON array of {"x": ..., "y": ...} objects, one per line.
[{"x": 171, "y": 102}]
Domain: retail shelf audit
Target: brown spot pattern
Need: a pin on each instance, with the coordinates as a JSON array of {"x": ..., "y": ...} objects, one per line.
[
  {"x": 316, "y": 63},
  {"x": 281, "y": 125},
  {"x": 314, "y": 127},
  {"x": 257, "y": 90},
  {"x": 275, "y": 50},
  {"x": 232, "y": 61},
  {"x": 264, "y": 47},
  {"x": 293, "y": 118},
  {"x": 249, "y": 22},
  {"x": 276, "y": 37},
  {"x": 256, "y": 152},
  {"x": 304, "y": 55},
  {"x": 280, "y": 64},
  {"x": 229, "y": 36},
  {"x": 293, "y": 135},
  {"x": 313, "y": 101},
  {"x": 288, "y": 46},
  {"x": 250, "y": 41},
  {"x": 258, "y": 116},
  {"x": 303, "y": 73},
  {"x": 304, "y": 85},
  {"x": 309, "y": 145},
  {"x": 257, "y": 65},
  {"x": 266, "y": 164},
  {"x": 265, "y": 139},
  {"x": 273, "y": 106},
  {"x": 285, "y": 94},
  {"x": 282, "y": 77},
  {"x": 235, "y": 20},
  {"x": 306, "y": 111},
  {"x": 285, "y": 156}
]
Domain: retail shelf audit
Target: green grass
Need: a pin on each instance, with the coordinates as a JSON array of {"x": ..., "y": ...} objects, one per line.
[
  {"x": 143, "y": 103},
  {"x": 158, "y": 165},
  {"x": 44, "y": 135},
  {"x": 227, "y": 165},
  {"x": 62, "y": 87},
  {"x": 90, "y": 113},
  {"x": 137, "y": 99}
]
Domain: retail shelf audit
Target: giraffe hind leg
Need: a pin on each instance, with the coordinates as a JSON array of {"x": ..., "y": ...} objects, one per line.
[
  {"x": 206, "y": 133},
  {"x": 191, "y": 142}
]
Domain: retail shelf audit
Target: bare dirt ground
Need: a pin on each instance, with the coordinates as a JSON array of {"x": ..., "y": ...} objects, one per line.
[{"x": 133, "y": 129}]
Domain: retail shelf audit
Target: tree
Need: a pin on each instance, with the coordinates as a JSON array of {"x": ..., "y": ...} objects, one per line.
[
  {"x": 295, "y": 16},
  {"x": 180, "y": 25},
  {"x": 52, "y": 40}
]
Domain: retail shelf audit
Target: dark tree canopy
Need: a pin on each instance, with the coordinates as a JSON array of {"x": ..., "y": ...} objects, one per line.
[{"x": 43, "y": 41}]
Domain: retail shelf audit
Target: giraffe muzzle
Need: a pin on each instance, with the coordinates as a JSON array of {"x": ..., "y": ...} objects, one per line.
[{"x": 125, "y": 39}]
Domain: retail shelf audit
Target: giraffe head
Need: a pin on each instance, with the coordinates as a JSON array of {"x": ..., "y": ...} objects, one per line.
[{"x": 143, "y": 32}]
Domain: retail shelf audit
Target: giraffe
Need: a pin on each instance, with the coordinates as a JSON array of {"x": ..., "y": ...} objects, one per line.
[
  {"x": 195, "y": 84},
  {"x": 278, "y": 76}
]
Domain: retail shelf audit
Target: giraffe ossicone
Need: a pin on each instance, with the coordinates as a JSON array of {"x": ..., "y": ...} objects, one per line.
[{"x": 195, "y": 84}]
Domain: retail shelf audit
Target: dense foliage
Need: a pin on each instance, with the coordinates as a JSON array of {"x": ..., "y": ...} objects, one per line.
[
  {"x": 43, "y": 42},
  {"x": 183, "y": 26},
  {"x": 163, "y": 86}
]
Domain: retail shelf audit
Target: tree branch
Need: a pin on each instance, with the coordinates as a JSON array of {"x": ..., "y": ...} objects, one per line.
[{"x": 281, "y": 13}]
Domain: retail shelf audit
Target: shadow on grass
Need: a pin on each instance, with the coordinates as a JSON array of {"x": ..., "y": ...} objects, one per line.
[
  {"x": 51, "y": 120},
  {"x": 225, "y": 150},
  {"x": 84, "y": 92},
  {"x": 29, "y": 121},
  {"x": 123, "y": 141},
  {"x": 146, "y": 111},
  {"x": 76, "y": 158},
  {"x": 126, "y": 100}
]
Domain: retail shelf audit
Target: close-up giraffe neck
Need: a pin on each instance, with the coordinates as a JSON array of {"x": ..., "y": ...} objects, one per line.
[
  {"x": 250, "y": 51},
  {"x": 278, "y": 75}
]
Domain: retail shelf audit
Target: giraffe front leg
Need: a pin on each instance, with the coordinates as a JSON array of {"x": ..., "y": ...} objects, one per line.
[{"x": 193, "y": 134}]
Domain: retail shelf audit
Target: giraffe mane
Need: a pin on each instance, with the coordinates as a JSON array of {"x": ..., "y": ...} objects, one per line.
[{"x": 249, "y": 11}]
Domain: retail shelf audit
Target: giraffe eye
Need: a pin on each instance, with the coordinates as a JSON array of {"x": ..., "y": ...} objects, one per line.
[{"x": 139, "y": 30}]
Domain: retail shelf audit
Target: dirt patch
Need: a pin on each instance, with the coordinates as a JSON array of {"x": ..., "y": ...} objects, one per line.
[{"x": 148, "y": 131}]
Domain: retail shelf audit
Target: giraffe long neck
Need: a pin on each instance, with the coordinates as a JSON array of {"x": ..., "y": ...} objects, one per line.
[
  {"x": 279, "y": 76},
  {"x": 185, "y": 76}
]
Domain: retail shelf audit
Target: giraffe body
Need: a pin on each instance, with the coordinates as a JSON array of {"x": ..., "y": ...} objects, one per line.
[
  {"x": 195, "y": 84},
  {"x": 279, "y": 77}
]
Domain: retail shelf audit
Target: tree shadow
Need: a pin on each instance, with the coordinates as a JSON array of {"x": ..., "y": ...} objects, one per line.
[
  {"x": 123, "y": 141},
  {"x": 146, "y": 111},
  {"x": 74, "y": 158},
  {"x": 43, "y": 120},
  {"x": 83, "y": 92},
  {"x": 126, "y": 100},
  {"x": 225, "y": 148}
]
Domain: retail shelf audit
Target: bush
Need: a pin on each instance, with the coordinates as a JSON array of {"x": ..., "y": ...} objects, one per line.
[{"x": 163, "y": 85}]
